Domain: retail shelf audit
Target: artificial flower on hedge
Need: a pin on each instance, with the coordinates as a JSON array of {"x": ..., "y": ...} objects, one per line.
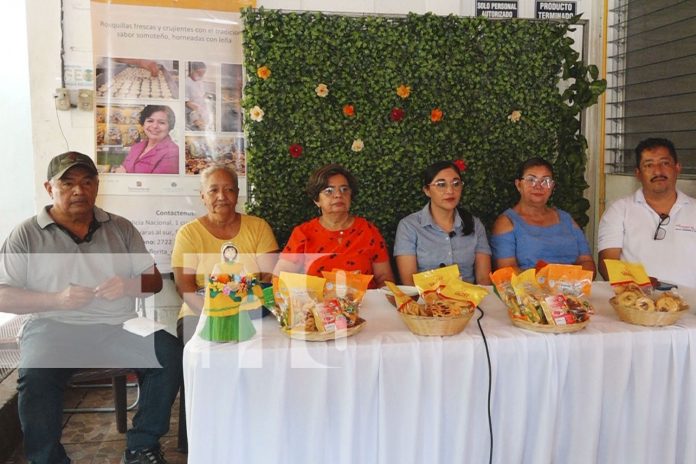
[
  {"x": 263, "y": 72},
  {"x": 370, "y": 77},
  {"x": 295, "y": 150},
  {"x": 322, "y": 90},
  {"x": 256, "y": 113},
  {"x": 436, "y": 115},
  {"x": 515, "y": 116},
  {"x": 348, "y": 111},
  {"x": 403, "y": 91},
  {"x": 461, "y": 165},
  {"x": 358, "y": 145},
  {"x": 397, "y": 114}
]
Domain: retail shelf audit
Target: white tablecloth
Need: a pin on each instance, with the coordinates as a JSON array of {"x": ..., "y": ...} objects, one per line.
[{"x": 611, "y": 393}]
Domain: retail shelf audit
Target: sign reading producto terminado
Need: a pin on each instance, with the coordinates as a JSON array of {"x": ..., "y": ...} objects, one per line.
[
  {"x": 555, "y": 10},
  {"x": 496, "y": 9}
]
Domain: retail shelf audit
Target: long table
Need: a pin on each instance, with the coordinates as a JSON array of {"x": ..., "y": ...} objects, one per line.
[{"x": 611, "y": 393}]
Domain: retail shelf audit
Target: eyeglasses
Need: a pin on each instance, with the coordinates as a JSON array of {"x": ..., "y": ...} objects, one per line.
[
  {"x": 660, "y": 232},
  {"x": 343, "y": 190},
  {"x": 533, "y": 181},
  {"x": 441, "y": 185}
]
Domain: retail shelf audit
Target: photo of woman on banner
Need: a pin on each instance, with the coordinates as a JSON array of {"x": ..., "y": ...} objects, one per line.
[
  {"x": 157, "y": 153},
  {"x": 200, "y": 101}
]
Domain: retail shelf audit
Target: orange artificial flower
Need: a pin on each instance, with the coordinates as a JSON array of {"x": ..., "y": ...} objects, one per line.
[
  {"x": 403, "y": 91},
  {"x": 263, "y": 72},
  {"x": 348, "y": 111},
  {"x": 222, "y": 278},
  {"x": 436, "y": 115}
]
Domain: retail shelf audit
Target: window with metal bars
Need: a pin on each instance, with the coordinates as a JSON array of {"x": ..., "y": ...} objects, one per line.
[{"x": 651, "y": 77}]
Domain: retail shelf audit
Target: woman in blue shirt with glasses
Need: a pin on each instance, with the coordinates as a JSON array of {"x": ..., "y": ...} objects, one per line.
[
  {"x": 442, "y": 233},
  {"x": 532, "y": 231}
]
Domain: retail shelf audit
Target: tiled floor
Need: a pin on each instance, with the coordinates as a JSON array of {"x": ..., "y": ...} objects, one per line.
[{"x": 92, "y": 438}]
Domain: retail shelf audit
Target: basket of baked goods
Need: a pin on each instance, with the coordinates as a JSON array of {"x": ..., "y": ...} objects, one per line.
[
  {"x": 319, "y": 308},
  {"x": 448, "y": 304},
  {"x": 636, "y": 301},
  {"x": 552, "y": 300}
]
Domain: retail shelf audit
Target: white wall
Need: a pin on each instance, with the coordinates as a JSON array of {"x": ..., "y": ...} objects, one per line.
[{"x": 16, "y": 155}]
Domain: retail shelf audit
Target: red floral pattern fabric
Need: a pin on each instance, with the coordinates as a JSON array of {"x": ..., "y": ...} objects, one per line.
[{"x": 353, "y": 249}]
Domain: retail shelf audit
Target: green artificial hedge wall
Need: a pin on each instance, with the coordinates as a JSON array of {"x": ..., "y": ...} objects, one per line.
[{"x": 401, "y": 93}]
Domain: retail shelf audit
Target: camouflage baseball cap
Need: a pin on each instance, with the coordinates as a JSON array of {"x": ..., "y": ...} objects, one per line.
[{"x": 61, "y": 163}]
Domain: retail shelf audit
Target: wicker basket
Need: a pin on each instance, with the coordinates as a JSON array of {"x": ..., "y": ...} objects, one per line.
[
  {"x": 647, "y": 318},
  {"x": 422, "y": 325},
  {"x": 548, "y": 328},
  {"x": 324, "y": 336}
]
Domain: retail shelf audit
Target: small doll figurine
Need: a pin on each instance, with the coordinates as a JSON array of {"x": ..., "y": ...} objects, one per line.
[{"x": 229, "y": 253}]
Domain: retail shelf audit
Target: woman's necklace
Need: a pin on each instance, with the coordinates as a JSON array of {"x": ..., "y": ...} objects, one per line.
[{"x": 339, "y": 227}]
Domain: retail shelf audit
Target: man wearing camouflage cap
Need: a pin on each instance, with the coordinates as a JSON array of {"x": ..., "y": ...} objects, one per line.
[{"x": 77, "y": 270}]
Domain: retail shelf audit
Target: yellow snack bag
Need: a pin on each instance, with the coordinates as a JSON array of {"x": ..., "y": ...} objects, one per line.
[
  {"x": 300, "y": 293},
  {"x": 530, "y": 296},
  {"x": 428, "y": 282},
  {"x": 458, "y": 297},
  {"x": 624, "y": 273}
]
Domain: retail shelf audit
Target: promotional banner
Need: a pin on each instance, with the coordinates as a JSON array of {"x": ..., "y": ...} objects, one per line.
[
  {"x": 168, "y": 94},
  {"x": 168, "y": 88}
]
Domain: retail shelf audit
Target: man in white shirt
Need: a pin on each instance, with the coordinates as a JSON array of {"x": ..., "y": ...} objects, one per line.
[{"x": 655, "y": 226}]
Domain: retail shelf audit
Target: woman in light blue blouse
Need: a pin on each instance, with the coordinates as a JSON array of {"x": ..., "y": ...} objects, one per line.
[
  {"x": 531, "y": 230},
  {"x": 442, "y": 233}
]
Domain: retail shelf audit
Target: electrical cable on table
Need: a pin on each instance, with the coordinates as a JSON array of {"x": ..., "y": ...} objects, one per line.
[{"x": 490, "y": 382}]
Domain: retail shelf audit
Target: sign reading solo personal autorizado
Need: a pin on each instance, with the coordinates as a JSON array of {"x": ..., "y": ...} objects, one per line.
[{"x": 496, "y": 9}]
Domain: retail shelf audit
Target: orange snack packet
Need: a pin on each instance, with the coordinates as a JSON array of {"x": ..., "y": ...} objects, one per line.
[
  {"x": 502, "y": 282},
  {"x": 342, "y": 284},
  {"x": 343, "y": 294},
  {"x": 566, "y": 279}
]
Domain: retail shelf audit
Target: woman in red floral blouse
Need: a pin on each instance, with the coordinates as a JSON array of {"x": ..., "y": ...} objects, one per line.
[{"x": 336, "y": 239}]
